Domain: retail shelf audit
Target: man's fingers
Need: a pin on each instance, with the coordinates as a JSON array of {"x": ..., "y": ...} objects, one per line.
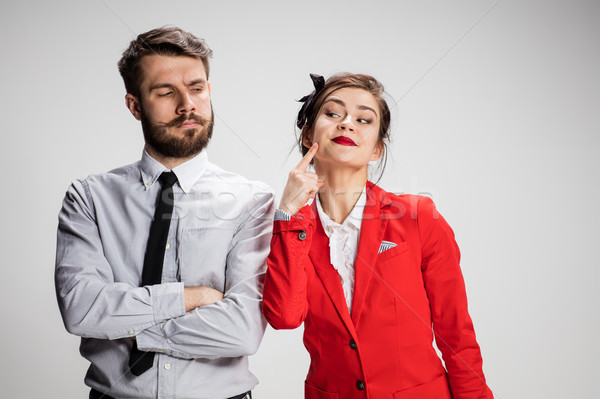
[{"x": 303, "y": 165}]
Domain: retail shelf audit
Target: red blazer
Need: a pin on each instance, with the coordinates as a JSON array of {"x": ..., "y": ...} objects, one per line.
[{"x": 384, "y": 349}]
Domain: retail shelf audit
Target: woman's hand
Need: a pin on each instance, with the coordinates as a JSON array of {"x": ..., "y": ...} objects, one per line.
[{"x": 301, "y": 185}]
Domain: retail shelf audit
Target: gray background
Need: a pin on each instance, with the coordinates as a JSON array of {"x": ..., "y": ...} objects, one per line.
[{"x": 496, "y": 117}]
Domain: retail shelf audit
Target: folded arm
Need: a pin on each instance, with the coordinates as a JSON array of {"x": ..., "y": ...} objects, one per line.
[
  {"x": 92, "y": 304},
  {"x": 232, "y": 326}
]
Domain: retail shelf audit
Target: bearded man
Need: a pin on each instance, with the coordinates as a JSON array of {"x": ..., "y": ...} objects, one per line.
[{"x": 160, "y": 264}]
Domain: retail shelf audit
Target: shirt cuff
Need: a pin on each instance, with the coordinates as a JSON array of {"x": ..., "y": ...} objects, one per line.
[
  {"x": 282, "y": 215},
  {"x": 153, "y": 339},
  {"x": 167, "y": 301}
]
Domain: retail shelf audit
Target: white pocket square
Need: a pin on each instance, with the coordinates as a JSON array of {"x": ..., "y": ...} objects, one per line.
[{"x": 385, "y": 245}]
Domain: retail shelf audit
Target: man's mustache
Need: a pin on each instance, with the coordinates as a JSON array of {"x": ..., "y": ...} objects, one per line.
[{"x": 186, "y": 117}]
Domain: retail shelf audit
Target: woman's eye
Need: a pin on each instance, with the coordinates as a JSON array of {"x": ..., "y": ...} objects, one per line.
[
  {"x": 332, "y": 114},
  {"x": 365, "y": 121}
]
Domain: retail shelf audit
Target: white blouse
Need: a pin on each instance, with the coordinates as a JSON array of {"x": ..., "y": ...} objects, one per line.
[{"x": 343, "y": 243}]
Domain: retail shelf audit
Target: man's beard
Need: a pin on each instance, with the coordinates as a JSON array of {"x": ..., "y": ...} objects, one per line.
[{"x": 167, "y": 144}]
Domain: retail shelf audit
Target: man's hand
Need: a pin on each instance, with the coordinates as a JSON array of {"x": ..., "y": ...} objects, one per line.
[{"x": 195, "y": 297}]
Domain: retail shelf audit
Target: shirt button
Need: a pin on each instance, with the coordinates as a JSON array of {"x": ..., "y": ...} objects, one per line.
[
  {"x": 302, "y": 235},
  {"x": 360, "y": 385},
  {"x": 167, "y": 366},
  {"x": 353, "y": 344},
  {"x": 130, "y": 332},
  {"x": 167, "y": 246}
]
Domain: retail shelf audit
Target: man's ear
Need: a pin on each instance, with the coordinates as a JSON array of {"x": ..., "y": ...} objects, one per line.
[
  {"x": 134, "y": 106},
  {"x": 306, "y": 140}
]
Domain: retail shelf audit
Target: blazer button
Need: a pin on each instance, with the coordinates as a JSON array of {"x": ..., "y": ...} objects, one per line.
[
  {"x": 302, "y": 235},
  {"x": 360, "y": 385},
  {"x": 353, "y": 344}
]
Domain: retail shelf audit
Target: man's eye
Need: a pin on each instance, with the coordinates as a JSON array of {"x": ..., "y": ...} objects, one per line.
[
  {"x": 165, "y": 94},
  {"x": 197, "y": 89}
]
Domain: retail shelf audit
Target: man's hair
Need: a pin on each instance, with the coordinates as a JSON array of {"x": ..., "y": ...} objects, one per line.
[{"x": 170, "y": 41}]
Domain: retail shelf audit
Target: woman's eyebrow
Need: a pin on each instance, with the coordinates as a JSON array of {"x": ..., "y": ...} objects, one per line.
[
  {"x": 364, "y": 107},
  {"x": 361, "y": 107},
  {"x": 335, "y": 100}
]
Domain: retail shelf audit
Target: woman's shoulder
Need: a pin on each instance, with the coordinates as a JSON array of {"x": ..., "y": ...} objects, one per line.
[
  {"x": 401, "y": 206},
  {"x": 390, "y": 197}
]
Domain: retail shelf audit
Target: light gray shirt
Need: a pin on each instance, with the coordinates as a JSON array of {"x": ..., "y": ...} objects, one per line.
[{"x": 219, "y": 237}]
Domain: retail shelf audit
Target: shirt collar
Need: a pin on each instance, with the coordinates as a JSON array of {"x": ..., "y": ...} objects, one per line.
[
  {"x": 187, "y": 173},
  {"x": 354, "y": 219}
]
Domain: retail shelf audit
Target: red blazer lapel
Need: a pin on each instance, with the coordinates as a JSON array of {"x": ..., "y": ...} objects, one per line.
[
  {"x": 319, "y": 256},
  {"x": 371, "y": 234}
]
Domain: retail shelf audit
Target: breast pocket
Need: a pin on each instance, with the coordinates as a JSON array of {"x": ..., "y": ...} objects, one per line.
[
  {"x": 202, "y": 255},
  {"x": 398, "y": 270},
  {"x": 392, "y": 252}
]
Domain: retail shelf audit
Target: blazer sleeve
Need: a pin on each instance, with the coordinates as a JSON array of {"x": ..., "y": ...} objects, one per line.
[
  {"x": 452, "y": 325},
  {"x": 285, "y": 303}
]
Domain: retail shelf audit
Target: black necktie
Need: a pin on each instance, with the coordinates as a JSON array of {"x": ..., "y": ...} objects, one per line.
[{"x": 140, "y": 361}]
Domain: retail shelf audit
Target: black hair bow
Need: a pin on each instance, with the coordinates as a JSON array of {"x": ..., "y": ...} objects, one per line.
[{"x": 319, "y": 83}]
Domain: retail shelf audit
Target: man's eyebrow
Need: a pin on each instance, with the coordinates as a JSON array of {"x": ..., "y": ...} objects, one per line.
[
  {"x": 169, "y": 85},
  {"x": 361, "y": 107},
  {"x": 198, "y": 81},
  {"x": 160, "y": 86}
]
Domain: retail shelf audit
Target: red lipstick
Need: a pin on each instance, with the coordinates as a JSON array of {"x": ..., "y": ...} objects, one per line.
[{"x": 343, "y": 140}]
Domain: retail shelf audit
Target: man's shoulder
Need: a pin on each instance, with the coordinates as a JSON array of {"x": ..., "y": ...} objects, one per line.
[
  {"x": 112, "y": 176},
  {"x": 87, "y": 189},
  {"x": 113, "y": 181}
]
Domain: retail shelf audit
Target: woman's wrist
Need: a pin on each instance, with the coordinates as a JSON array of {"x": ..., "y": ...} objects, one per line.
[{"x": 290, "y": 210}]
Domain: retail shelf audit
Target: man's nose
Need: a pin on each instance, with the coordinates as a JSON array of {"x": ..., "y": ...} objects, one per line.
[{"x": 186, "y": 105}]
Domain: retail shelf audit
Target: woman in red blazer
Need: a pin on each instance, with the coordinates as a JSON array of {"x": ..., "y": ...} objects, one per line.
[{"x": 372, "y": 275}]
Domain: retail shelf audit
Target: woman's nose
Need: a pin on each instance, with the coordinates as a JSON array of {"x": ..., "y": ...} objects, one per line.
[{"x": 346, "y": 123}]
